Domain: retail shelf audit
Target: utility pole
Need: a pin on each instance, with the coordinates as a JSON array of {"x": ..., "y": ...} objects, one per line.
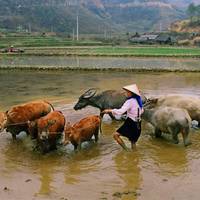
[
  {"x": 73, "y": 34},
  {"x": 29, "y": 27},
  {"x": 77, "y": 28},
  {"x": 77, "y": 21},
  {"x": 105, "y": 33},
  {"x": 160, "y": 26}
]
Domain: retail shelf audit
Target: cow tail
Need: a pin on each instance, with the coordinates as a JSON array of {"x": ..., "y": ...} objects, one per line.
[{"x": 100, "y": 128}]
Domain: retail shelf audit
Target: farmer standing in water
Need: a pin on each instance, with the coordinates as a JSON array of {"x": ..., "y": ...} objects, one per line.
[{"x": 132, "y": 125}]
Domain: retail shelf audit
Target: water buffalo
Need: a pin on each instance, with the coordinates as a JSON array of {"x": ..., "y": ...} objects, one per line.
[
  {"x": 82, "y": 131},
  {"x": 190, "y": 103},
  {"x": 18, "y": 116},
  {"x": 107, "y": 99},
  {"x": 47, "y": 130},
  {"x": 169, "y": 120}
]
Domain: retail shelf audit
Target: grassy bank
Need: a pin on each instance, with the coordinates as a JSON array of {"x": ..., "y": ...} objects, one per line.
[{"x": 142, "y": 51}]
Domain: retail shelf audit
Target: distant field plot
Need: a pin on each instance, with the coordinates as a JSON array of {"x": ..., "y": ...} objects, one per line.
[
  {"x": 38, "y": 41},
  {"x": 55, "y": 45},
  {"x": 117, "y": 51}
]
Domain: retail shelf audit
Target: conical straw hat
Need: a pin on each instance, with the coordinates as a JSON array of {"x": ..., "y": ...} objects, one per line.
[{"x": 132, "y": 88}]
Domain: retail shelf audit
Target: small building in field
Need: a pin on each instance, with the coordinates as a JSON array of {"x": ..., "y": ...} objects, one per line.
[
  {"x": 153, "y": 38},
  {"x": 144, "y": 39},
  {"x": 166, "y": 39}
]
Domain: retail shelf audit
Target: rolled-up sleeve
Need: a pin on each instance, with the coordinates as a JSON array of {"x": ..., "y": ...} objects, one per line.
[{"x": 121, "y": 110}]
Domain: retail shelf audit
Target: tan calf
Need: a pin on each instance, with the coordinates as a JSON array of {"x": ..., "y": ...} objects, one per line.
[{"x": 82, "y": 131}]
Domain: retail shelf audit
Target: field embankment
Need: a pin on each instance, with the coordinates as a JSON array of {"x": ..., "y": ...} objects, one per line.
[{"x": 141, "y": 51}]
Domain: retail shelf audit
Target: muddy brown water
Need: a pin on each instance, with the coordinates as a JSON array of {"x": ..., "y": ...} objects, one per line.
[{"x": 157, "y": 170}]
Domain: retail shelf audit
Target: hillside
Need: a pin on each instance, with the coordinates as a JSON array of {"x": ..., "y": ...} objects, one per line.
[
  {"x": 48, "y": 16},
  {"x": 95, "y": 16},
  {"x": 182, "y": 3},
  {"x": 186, "y": 26},
  {"x": 143, "y": 15},
  {"x": 190, "y": 31}
]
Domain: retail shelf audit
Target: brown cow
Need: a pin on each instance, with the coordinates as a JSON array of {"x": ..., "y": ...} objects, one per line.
[
  {"x": 18, "y": 116},
  {"x": 47, "y": 130},
  {"x": 82, "y": 131},
  {"x": 3, "y": 120}
]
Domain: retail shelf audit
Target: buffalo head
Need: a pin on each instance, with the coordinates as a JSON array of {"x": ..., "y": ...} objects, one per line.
[
  {"x": 84, "y": 99},
  {"x": 151, "y": 103}
]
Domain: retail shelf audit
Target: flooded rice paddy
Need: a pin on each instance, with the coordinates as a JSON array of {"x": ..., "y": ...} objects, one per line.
[
  {"x": 157, "y": 170},
  {"x": 123, "y": 63}
]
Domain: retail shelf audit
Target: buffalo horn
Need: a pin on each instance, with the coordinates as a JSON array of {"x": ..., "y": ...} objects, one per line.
[{"x": 89, "y": 93}]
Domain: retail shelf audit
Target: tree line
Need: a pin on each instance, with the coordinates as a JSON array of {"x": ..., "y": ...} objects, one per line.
[{"x": 194, "y": 12}]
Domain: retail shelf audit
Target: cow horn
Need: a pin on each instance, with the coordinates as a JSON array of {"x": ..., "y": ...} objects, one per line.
[
  {"x": 89, "y": 93},
  {"x": 150, "y": 102}
]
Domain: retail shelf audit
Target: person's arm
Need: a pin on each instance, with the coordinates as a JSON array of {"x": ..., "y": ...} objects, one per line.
[
  {"x": 122, "y": 110},
  {"x": 119, "y": 111}
]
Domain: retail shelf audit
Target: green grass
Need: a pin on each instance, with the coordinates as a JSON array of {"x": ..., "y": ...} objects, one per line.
[
  {"x": 147, "y": 51},
  {"x": 54, "y": 45},
  {"x": 121, "y": 51},
  {"x": 113, "y": 51}
]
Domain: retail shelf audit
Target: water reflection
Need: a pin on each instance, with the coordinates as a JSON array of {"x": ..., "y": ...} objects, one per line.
[
  {"x": 82, "y": 163},
  {"x": 16, "y": 152},
  {"x": 128, "y": 168},
  {"x": 168, "y": 159},
  {"x": 102, "y": 62},
  {"x": 46, "y": 171},
  {"x": 20, "y": 157}
]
